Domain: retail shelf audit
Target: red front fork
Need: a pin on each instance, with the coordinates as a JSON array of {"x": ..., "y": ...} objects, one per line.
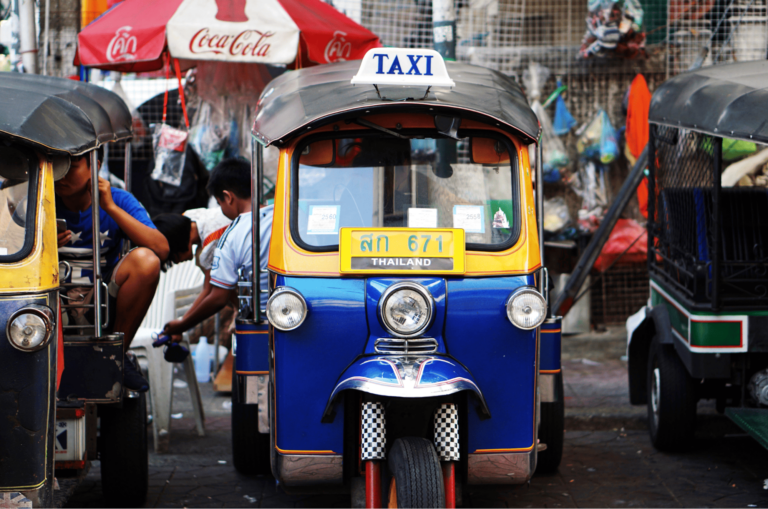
[
  {"x": 449, "y": 481},
  {"x": 372, "y": 484}
]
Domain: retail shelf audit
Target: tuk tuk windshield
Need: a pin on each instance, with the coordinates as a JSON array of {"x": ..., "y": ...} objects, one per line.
[
  {"x": 16, "y": 166},
  {"x": 383, "y": 181}
]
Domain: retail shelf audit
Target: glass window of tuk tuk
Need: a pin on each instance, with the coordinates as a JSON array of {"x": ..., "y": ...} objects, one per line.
[
  {"x": 370, "y": 179},
  {"x": 19, "y": 170}
]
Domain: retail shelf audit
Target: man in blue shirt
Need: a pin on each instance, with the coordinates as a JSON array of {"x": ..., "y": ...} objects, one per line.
[{"x": 132, "y": 279}]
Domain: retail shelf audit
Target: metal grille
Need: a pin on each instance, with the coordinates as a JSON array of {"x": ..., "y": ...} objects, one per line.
[
  {"x": 405, "y": 347},
  {"x": 621, "y": 291},
  {"x": 688, "y": 238}
]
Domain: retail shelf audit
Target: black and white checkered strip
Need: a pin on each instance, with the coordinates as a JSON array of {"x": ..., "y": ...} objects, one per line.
[
  {"x": 447, "y": 432},
  {"x": 374, "y": 432}
]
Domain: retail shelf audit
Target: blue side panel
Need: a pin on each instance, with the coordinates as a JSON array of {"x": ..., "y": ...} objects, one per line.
[
  {"x": 376, "y": 286},
  {"x": 309, "y": 360},
  {"x": 501, "y": 357},
  {"x": 549, "y": 349},
  {"x": 252, "y": 352}
]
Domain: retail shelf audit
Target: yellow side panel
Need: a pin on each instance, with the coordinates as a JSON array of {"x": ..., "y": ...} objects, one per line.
[
  {"x": 40, "y": 270},
  {"x": 285, "y": 257}
]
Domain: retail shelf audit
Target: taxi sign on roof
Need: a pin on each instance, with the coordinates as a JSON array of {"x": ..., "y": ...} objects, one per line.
[{"x": 399, "y": 66}]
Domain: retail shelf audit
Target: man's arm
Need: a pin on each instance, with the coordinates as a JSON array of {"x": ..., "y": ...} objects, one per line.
[
  {"x": 210, "y": 305},
  {"x": 139, "y": 233},
  {"x": 203, "y": 294}
]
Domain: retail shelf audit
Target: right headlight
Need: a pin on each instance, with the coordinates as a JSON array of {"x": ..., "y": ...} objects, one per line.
[
  {"x": 526, "y": 308},
  {"x": 30, "y": 328},
  {"x": 286, "y": 309}
]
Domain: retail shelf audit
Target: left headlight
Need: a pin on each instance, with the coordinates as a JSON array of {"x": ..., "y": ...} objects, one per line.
[
  {"x": 286, "y": 309},
  {"x": 30, "y": 328},
  {"x": 526, "y": 308}
]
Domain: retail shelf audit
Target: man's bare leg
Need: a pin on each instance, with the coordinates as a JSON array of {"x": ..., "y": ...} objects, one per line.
[{"x": 137, "y": 277}]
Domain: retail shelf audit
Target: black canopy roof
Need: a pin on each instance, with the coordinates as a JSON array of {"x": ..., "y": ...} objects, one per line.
[
  {"x": 724, "y": 100},
  {"x": 311, "y": 97},
  {"x": 59, "y": 114}
]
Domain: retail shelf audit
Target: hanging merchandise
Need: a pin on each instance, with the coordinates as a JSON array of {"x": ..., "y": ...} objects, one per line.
[
  {"x": 534, "y": 78},
  {"x": 564, "y": 121},
  {"x": 169, "y": 143},
  {"x": 598, "y": 139},
  {"x": 638, "y": 104},
  {"x": 554, "y": 154},
  {"x": 589, "y": 184},
  {"x": 215, "y": 135},
  {"x": 614, "y": 29},
  {"x": 556, "y": 215}
]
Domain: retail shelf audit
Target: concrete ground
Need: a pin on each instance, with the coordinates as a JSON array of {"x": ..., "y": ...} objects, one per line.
[{"x": 608, "y": 459}]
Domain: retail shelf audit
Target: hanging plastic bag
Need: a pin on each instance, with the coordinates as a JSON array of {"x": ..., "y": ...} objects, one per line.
[
  {"x": 598, "y": 140},
  {"x": 169, "y": 143},
  {"x": 556, "y": 215},
  {"x": 609, "y": 144},
  {"x": 554, "y": 155},
  {"x": 564, "y": 121}
]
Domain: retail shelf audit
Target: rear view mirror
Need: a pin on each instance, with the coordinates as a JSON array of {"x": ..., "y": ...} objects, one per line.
[
  {"x": 319, "y": 153},
  {"x": 488, "y": 151}
]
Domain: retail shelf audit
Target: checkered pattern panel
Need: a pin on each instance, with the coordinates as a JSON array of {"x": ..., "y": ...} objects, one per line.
[
  {"x": 447, "y": 432},
  {"x": 374, "y": 432}
]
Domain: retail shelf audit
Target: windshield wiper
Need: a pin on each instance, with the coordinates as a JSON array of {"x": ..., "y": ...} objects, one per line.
[{"x": 366, "y": 123}]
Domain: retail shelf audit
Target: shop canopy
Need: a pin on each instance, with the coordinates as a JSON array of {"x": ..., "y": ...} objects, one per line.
[
  {"x": 729, "y": 101},
  {"x": 133, "y": 35},
  {"x": 57, "y": 114}
]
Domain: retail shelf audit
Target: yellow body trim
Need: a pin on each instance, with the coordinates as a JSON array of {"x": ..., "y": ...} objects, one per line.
[
  {"x": 284, "y": 451},
  {"x": 38, "y": 272},
  {"x": 286, "y": 257},
  {"x": 252, "y": 372},
  {"x": 491, "y": 451}
]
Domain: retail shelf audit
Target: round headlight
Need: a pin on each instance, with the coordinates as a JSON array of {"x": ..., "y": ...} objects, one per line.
[
  {"x": 286, "y": 309},
  {"x": 526, "y": 309},
  {"x": 406, "y": 309},
  {"x": 30, "y": 328}
]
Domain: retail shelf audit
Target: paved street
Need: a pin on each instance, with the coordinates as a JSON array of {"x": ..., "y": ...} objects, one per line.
[{"x": 608, "y": 460}]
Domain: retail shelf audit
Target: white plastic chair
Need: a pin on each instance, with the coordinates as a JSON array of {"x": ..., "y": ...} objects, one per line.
[{"x": 176, "y": 291}]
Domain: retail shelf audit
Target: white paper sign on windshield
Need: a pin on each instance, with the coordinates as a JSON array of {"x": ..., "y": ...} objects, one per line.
[
  {"x": 323, "y": 220},
  {"x": 422, "y": 218},
  {"x": 469, "y": 217}
]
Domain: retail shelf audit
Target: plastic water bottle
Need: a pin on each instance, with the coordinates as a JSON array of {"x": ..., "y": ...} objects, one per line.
[{"x": 203, "y": 360}]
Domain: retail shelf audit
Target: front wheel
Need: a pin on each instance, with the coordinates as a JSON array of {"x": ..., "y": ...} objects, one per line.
[
  {"x": 671, "y": 400},
  {"x": 124, "y": 456},
  {"x": 418, "y": 478}
]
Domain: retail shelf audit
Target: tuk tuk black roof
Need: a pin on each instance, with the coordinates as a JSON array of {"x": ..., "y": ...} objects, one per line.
[
  {"x": 307, "y": 98},
  {"x": 728, "y": 101},
  {"x": 58, "y": 114}
]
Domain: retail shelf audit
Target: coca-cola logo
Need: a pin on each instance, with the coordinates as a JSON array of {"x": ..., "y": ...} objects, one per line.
[
  {"x": 122, "y": 46},
  {"x": 248, "y": 43},
  {"x": 338, "y": 49}
]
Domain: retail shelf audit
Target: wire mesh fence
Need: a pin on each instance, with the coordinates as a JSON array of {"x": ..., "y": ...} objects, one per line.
[{"x": 621, "y": 291}]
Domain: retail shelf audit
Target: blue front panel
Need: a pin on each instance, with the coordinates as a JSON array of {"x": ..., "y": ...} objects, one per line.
[
  {"x": 252, "y": 354},
  {"x": 549, "y": 351},
  {"x": 310, "y": 359},
  {"x": 376, "y": 286},
  {"x": 501, "y": 357}
]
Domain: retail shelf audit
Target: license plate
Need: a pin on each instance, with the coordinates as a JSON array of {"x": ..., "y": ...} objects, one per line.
[{"x": 401, "y": 250}]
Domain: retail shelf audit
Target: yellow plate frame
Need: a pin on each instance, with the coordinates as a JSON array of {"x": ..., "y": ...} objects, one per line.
[{"x": 391, "y": 245}]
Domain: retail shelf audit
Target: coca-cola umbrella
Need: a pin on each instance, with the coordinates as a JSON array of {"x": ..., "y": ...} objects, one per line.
[{"x": 132, "y": 36}]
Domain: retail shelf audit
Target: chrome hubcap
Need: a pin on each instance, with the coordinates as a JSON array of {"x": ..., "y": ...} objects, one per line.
[{"x": 655, "y": 395}]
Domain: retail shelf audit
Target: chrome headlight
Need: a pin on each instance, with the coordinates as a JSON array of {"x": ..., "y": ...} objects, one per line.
[
  {"x": 286, "y": 309},
  {"x": 526, "y": 308},
  {"x": 30, "y": 328},
  {"x": 406, "y": 309}
]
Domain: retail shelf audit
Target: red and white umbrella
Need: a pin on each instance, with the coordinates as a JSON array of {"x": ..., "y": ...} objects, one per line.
[{"x": 133, "y": 35}]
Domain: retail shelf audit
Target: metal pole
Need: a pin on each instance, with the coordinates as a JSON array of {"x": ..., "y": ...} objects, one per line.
[
  {"x": 27, "y": 35},
  {"x": 444, "y": 28},
  {"x": 47, "y": 29},
  {"x": 716, "y": 185},
  {"x": 127, "y": 171},
  {"x": 256, "y": 168},
  {"x": 651, "y": 223},
  {"x": 96, "y": 230}
]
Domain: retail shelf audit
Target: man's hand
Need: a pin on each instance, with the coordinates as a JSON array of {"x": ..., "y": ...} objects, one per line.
[
  {"x": 174, "y": 327},
  {"x": 105, "y": 195},
  {"x": 64, "y": 237}
]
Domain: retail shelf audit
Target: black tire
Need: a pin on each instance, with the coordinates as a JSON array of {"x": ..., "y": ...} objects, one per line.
[
  {"x": 123, "y": 454},
  {"x": 416, "y": 468},
  {"x": 552, "y": 431},
  {"x": 250, "y": 449},
  {"x": 671, "y": 400}
]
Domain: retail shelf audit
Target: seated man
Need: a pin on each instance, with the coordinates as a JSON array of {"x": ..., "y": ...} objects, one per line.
[
  {"x": 132, "y": 279},
  {"x": 230, "y": 186}
]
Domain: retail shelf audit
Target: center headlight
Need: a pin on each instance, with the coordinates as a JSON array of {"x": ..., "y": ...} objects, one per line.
[
  {"x": 286, "y": 309},
  {"x": 30, "y": 328},
  {"x": 526, "y": 308},
  {"x": 406, "y": 309}
]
